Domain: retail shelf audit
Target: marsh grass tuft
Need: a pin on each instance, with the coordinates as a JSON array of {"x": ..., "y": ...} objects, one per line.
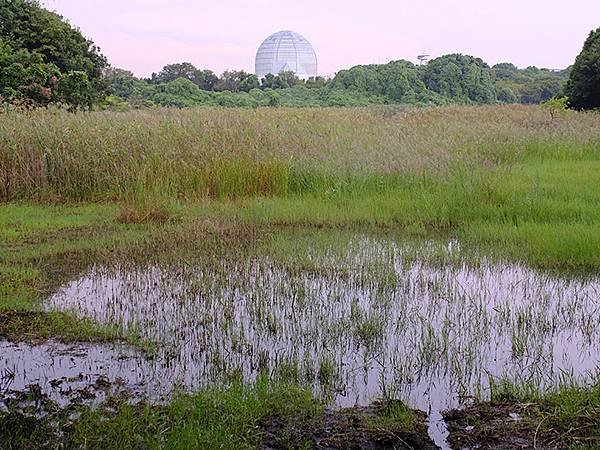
[{"x": 158, "y": 214}]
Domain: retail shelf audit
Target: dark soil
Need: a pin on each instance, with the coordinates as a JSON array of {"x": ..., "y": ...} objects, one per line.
[
  {"x": 514, "y": 425},
  {"x": 351, "y": 428},
  {"x": 29, "y": 419}
]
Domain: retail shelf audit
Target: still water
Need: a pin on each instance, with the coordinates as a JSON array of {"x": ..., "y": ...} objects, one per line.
[{"x": 354, "y": 325}]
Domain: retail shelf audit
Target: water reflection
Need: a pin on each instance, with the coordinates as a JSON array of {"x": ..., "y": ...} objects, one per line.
[{"x": 355, "y": 325}]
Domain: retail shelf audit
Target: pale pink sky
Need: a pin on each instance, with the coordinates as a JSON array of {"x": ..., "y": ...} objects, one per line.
[{"x": 144, "y": 35}]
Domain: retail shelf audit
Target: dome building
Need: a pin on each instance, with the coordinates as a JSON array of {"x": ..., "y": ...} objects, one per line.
[{"x": 286, "y": 51}]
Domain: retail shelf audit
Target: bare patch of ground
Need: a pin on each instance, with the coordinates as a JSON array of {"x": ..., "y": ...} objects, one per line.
[
  {"x": 515, "y": 425},
  {"x": 371, "y": 428}
]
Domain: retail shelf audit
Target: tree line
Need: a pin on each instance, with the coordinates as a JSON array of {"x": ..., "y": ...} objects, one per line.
[
  {"x": 44, "y": 60},
  {"x": 448, "y": 79}
]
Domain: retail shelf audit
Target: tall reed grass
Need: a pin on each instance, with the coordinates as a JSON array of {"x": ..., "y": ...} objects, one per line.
[{"x": 144, "y": 156}]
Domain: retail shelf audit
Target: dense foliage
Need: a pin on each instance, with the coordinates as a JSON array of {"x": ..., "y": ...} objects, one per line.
[
  {"x": 461, "y": 78},
  {"x": 527, "y": 86},
  {"x": 583, "y": 87},
  {"x": 450, "y": 79},
  {"x": 43, "y": 59}
]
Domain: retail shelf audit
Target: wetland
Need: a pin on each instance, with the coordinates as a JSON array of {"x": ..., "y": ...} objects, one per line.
[{"x": 406, "y": 289}]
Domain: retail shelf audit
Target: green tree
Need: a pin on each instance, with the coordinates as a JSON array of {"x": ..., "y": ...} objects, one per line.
[
  {"x": 171, "y": 72},
  {"x": 114, "y": 103},
  {"x": 358, "y": 78},
  {"x": 506, "y": 94},
  {"x": 583, "y": 87},
  {"x": 267, "y": 81},
  {"x": 540, "y": 90},
  {"x": 316, "y": 82},
  {"x": 38, "y": 48},
  {"x": 76, "y": 90},
  {"x": 273, "y": 98},
  {"x": 400, "y": 78},
  {"x": 121, "y": 83},
  {"x": 556, "y": 107},
  {"x": 271, "y": 81},
  {"x": 460, "y": 77},
  {"x": 530, "y": 85},
  {"x": 394, "y": 80},
  {"x": 290, "y": 78},
  {"x": 248, "y": 83},
  {"x": 234, "y": 100},
  {"x": 180, "y": 93},
  {"x": 236, "y": 81},
  {"x": 24, "y": 75},
  {"x": 209, "y": 80},
  {"x": 26, "y": 25}
]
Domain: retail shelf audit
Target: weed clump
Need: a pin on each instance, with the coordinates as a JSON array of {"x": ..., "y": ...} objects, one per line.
[{"x": 131, "y": 215}]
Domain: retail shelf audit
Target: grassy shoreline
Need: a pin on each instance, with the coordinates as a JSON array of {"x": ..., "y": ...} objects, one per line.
[{"x": 264, "y": 414}]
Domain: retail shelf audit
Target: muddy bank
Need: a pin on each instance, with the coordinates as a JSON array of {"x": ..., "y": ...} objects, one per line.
[
  {"x": 59, "y": 371},
  {"x": 30, "y": 419},
  {"x": 515, "y": 425},
  {"x": 387, "y": 425}
]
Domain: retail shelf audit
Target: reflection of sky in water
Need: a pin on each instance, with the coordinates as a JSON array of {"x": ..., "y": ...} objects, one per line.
[{"x": 426, "y": 334}]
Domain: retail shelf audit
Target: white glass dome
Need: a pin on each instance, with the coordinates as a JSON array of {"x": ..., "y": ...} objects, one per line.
[{"x": 286, "y": 51}]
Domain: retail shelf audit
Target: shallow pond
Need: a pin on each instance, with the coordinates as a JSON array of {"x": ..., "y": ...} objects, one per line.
[{"x": 355, "y": 325}]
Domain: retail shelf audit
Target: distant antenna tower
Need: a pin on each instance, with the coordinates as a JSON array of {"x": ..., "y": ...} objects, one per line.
[{"x": 423, "y": 59}]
